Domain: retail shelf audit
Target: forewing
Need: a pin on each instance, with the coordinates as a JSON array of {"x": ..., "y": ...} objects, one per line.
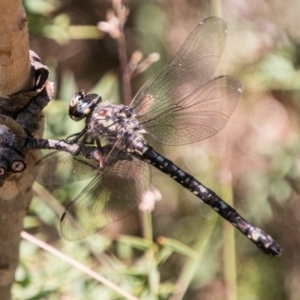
[
  {"x": 192, "y": 66},
  {"x": 108, "y": 198},
  {"x": 198, "y": 116},
  {"x": 60, "y": 168}
]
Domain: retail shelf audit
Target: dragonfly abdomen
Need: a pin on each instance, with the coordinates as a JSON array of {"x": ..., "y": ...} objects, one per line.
[{"x": 260, "y": 238}]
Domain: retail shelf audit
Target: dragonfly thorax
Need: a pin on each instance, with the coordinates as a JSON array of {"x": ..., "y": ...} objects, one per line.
[{"x": 110, "y": 122}]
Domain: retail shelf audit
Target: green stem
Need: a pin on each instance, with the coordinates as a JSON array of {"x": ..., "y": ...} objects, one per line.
[
  {"x": 229, "y": 253},
  {"x": 147, "y": 225},
  {"x": 191, "y": 266}
]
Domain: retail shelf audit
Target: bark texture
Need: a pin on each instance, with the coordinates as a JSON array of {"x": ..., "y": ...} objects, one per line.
[
  {"x": 14, "y": 45},
  {"x": 15, "y": 76}
]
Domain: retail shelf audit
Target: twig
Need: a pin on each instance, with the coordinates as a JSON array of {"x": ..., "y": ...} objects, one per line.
[
  {"x": 58, "y": 208},
  {"x": 61, "y": 145},
  {"x": 125, "y": 70},
  {"x": 25, "y": 235},
  {"x": 114, "y": 26}
]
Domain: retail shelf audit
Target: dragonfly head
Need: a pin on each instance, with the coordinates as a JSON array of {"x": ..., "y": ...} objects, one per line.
[{"x": 81, "y": 105}]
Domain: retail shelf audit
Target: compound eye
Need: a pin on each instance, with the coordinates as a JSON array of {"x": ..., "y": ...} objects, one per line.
[
  {"x": 76, "y": 114},
  {"x": 81, "y": 105},
  {"x": 77, "y": 97}
]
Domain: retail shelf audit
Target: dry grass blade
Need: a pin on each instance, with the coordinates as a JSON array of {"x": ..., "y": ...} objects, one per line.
[{"x": 25, "y": 235}]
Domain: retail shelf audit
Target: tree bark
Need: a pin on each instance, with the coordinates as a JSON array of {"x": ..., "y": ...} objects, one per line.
[
  {"x": 15, "y": 72},
  {"x": 15, "y": 194}
]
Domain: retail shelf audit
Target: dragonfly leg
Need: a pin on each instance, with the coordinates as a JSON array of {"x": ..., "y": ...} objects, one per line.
[{"x": 76, "y": 136}]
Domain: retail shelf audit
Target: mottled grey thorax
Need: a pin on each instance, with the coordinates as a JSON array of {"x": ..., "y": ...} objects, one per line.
[{"x": 110, "y": 122}]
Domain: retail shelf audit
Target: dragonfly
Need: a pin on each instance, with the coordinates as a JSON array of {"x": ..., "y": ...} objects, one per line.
[{"x": 183, "y": 103}]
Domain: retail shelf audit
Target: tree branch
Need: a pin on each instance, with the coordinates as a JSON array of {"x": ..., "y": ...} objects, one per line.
[
  {"x": 20, "y": 82},
  {"x": 14, "y": 48}
]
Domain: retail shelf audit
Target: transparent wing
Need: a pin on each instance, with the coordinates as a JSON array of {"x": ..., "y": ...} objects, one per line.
[
  {"x": 200, "y": 115},
  {"x": 184, "y": 93},
  {"x": 60, "y": 168},
  {"x": 108, "y": 198}
]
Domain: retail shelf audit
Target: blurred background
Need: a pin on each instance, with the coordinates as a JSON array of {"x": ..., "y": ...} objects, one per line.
[{"x": 181, "y": 249}]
